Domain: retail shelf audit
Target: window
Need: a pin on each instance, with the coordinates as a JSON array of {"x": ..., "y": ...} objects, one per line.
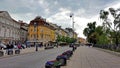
[
  {"x": 41, "y": 35},
  {"x": 35, "y": 30},
  {"x": 31, "y": 36}
]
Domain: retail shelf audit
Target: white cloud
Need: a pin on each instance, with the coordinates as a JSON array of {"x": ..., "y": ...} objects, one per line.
[
  {"x": 55, "y": 2},
  {"x": 115, "y": 5},
  {"x": 82, "y": 10},
  {"x": 25, "y": 17},
  {"x": 62, "y": 18}
]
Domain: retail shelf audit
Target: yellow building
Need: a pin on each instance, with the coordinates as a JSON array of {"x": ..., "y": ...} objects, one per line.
[
  {"x": 75, "y": 35},
  {"x": 82, "y": 40},
  {"x": 40, "y": 31}
]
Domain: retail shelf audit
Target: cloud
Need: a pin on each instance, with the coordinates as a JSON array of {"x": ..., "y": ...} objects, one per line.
[
  {"x": 25, "y": 17},
  {"x": 58, "y": 11},
  {"x": 62, "y": 18}
]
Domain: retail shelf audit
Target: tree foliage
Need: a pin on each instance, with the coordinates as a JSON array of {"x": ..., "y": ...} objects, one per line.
[
  {"x": 65, "y": 39},
  {"x": 90, "y": 32}
]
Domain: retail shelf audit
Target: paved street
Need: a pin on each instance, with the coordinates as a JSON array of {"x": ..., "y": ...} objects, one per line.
[
  {"x": 84, "y": 57},
  {"x": 88, "y": 57},
  {"x": 23, "y": 51},
  {"x": 31, "y": 60}
]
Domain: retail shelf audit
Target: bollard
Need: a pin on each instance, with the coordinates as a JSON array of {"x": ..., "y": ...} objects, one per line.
[
  {"x": 17, "y": 51},
  {"x": 1, "y": 53},
  {"x": 10, "y": 52}
]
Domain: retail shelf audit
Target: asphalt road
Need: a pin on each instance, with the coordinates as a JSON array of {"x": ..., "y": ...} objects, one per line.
[{"x": 32, "y": 60}]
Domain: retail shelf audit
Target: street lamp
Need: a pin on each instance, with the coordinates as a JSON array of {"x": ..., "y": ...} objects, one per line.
[
  {"x": 72, "y": 17},
  {"x": 35, "y": 35}
]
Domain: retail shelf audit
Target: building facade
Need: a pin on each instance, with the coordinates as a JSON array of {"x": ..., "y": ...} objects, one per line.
[
  {"x": 9, "y": 28},
  {"x": 70, "y": 32},
  {"x": 23, "y": 31},
  {"x": 40, "y": 31},
  {"x": 75, "y": 35},
  {"x": 81, "y": 40},
  {"x": 64, "y": 33}
]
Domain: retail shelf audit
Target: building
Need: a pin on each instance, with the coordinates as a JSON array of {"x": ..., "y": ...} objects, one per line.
[
  {"x": 71, "y": 33},
  {"x": 59, "y": 31},
  {"x": 64, "y": 33},
  {"x": 40, "y": 31},
  {"x": 57, "y": 28},
  {"x": 23, "y": 31},
  {"x": 9, "y": 28},
  {"x": 75, "y": 35},
  {"x": 81, "y": 40}
]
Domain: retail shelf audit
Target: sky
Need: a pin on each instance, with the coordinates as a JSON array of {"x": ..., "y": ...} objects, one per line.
[{"x": 58, "y": 11}]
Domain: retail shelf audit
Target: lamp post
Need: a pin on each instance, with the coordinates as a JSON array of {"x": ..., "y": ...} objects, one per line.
[
  {"x": 35, "y": 35},
  {"x": 72, "y": 18}
]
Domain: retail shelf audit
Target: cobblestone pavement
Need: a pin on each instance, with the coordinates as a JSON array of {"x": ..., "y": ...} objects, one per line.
[{"x": 88, "y": 57}]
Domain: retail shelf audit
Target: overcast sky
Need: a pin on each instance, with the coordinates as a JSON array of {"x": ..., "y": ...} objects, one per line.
[{"x": 58, "y": 11}]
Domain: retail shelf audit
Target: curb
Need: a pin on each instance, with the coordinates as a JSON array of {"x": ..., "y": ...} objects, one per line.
[{"x": 108, "y": 51}]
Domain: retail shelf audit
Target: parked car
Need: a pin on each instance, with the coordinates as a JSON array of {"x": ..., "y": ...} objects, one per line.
[
  {"x": 23, "y": 46},
  {"x": 2, "y": 45}
]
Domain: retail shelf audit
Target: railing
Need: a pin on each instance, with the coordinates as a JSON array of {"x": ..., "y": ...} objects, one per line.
[{"x": 108, "y": 46}]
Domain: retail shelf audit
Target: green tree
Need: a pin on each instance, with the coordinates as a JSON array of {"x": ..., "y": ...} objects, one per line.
[
  {"x": 101, "y": 36},
  {"x": 108, "y": 25},
  {"x": 90, "y": 32},
  {"x": 65, "y": 39},
  {"x": 116, "y": 23}
]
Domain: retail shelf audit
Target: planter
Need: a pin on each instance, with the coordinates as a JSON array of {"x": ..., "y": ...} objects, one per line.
[
  {"x": 62, "y": 59},
  {"x": 69, "y": 53},
  {"x": 53, "y": 64}
]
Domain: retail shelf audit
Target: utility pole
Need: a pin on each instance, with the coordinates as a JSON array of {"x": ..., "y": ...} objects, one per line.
[{"x": 72, "y": 18}]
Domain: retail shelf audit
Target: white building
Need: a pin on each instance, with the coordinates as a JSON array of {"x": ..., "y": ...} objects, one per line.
[
  {"x": 70, "y": 32},
  {"x": 9, "y": 28}
]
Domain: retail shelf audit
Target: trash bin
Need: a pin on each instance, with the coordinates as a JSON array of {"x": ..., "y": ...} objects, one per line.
[
  {"x": 62, "y": 59},
  {"x": 10, "y": 52},
  {"x": 53, "y": 64},
  {"x": 1, "y": 53},
  {"x": 17, "y": 51}
]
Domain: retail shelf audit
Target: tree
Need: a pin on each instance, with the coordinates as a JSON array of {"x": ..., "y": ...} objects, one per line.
[
  {"x": 116, "y": 17},
  {"x": 116, "y": 23},
  {"x": 101, "y": 36},
  {"x": 108, "y": 25},
  {"x": 65, "y": 39},
  {"x": 106, "y": 21},
  {"x": 89, "y": 32}
]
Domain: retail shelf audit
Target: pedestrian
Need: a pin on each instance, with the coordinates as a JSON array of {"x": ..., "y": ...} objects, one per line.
[{"x": 19, "y": 46}]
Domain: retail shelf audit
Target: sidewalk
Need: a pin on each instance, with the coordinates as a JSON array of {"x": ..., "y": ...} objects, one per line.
[
  {"x": 88, "y": 57},
  {"x": 23, "y": 51}
]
